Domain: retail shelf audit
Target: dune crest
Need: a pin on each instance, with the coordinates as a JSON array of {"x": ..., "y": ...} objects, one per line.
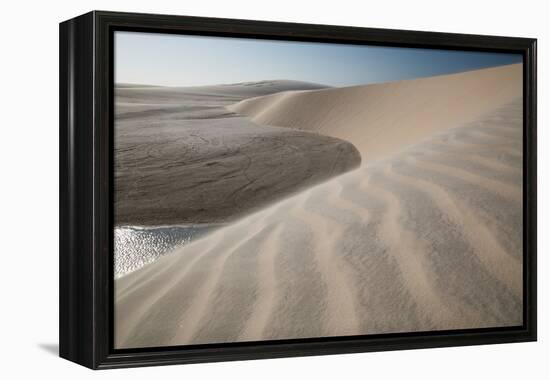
[{"x": 381, "y": 119}]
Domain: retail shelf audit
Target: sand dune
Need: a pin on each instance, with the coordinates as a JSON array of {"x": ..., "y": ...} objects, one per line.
[
  {"x": 427, "y": 238},
  {"x": 381, "y": 119},
  {"x": 133, "y": 97}
]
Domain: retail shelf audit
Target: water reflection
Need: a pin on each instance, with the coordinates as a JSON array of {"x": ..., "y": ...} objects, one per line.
[{"x": 138, "y": 246}]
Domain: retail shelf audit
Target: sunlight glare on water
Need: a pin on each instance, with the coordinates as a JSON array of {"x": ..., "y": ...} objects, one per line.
[{"x": 138, "y": 246}]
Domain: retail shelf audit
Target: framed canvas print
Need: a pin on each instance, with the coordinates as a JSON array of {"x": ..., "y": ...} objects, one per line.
[{"x": 236, "y": 189}]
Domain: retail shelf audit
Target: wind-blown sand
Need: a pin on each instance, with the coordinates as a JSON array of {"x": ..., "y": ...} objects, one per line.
[{"x": 427, "y": 236}]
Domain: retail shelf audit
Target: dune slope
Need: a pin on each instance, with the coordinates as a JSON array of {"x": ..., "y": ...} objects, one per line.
[{"x": 380, "y": 119}]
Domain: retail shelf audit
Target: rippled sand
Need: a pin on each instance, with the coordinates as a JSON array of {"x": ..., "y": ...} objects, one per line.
[{"x": 427, "y": 238}]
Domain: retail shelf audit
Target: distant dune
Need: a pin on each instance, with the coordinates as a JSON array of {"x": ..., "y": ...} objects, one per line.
[
  {"x": 380, "y": 119},
  {"x": 425, "y": 235},
  {"x": 146, "y": 94}
]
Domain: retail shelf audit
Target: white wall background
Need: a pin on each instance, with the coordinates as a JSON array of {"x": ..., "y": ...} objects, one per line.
[{"x": 29, "y": 167}]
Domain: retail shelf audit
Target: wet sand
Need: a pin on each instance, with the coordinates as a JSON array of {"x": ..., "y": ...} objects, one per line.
[{"x": 181, "y": 157}]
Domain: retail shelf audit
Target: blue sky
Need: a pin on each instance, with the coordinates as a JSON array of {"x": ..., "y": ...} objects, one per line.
[{"x": 178, "y": 60}]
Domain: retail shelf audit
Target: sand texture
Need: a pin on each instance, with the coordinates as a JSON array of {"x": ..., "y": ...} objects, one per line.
[
  {"x": 181, "y": 157},
  {"x": 425, "y": 235}
]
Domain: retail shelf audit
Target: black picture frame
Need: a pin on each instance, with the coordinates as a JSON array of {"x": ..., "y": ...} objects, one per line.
[{"x": 86, "y": 179}]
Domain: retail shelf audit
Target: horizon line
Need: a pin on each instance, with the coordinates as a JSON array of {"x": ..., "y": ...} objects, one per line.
[{"x": 138, "y": 85}]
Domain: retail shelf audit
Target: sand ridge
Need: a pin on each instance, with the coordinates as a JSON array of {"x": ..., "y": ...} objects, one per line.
[{"x": 381, "y": 119}]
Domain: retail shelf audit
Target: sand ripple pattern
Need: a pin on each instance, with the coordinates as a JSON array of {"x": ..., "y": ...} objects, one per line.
[{"x": 428, "y": 239}]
